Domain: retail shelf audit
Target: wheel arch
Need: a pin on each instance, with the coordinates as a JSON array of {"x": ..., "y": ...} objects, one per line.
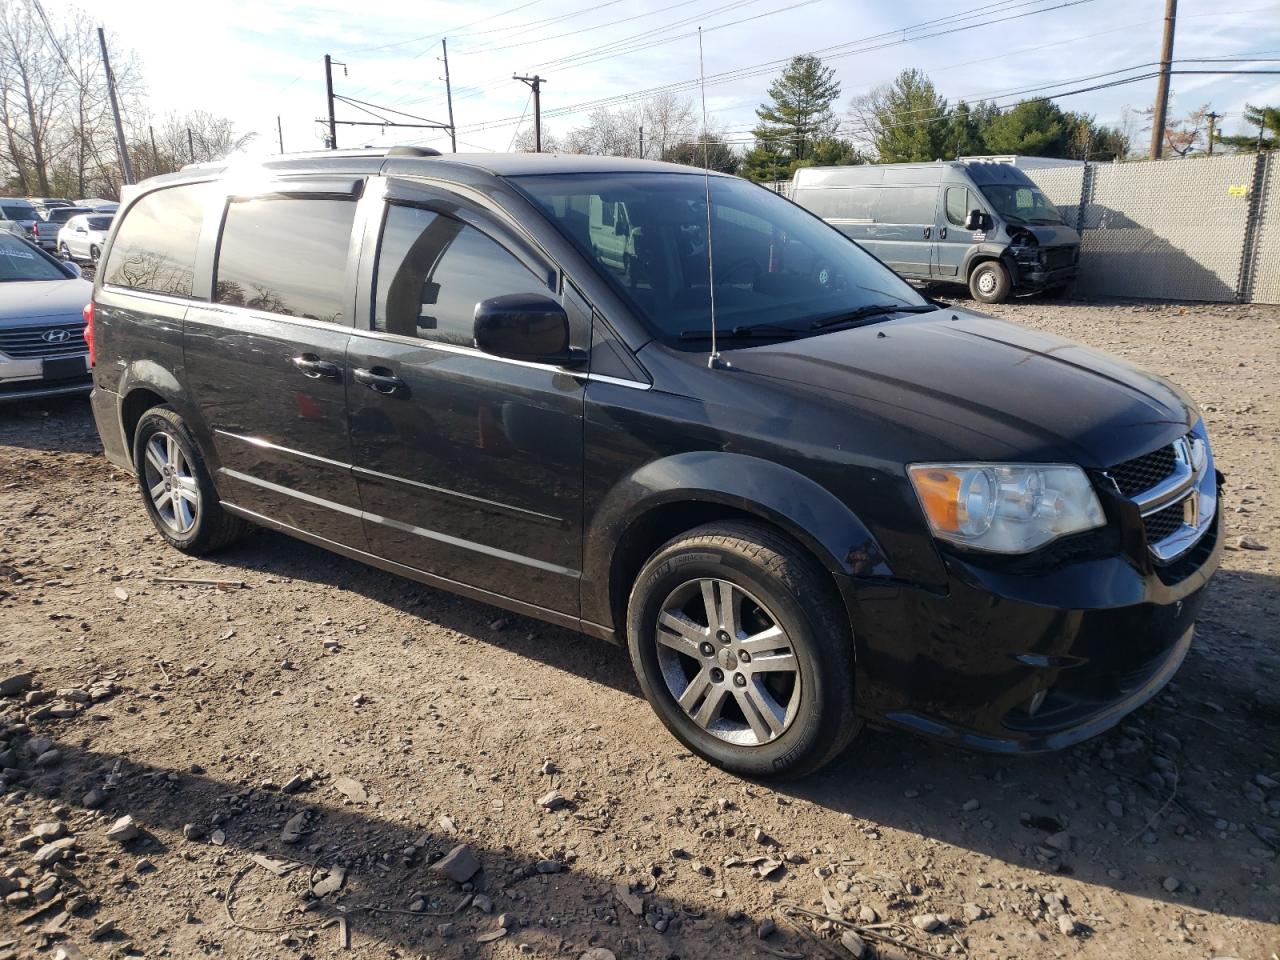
[
  {"x": 145, "y": 384},
  {"x": 669, "y": 496}
]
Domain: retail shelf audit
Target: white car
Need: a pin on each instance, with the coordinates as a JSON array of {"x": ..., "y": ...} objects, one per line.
[{"x": 83, "y": 237}]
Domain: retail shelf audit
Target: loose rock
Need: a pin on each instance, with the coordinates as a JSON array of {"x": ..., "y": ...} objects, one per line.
[{"x": 459, "y": 864}]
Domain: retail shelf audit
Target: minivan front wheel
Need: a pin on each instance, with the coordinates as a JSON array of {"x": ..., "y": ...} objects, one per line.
[
  {"x": 743, "y": 649},
  {"x": 990, "y": 282},
  {"x": 176, "y": 486}
]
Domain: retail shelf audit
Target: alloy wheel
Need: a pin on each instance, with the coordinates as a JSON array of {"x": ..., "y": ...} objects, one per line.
[
  {"x": 728, "y": 662},
  {"x": 171, "y": 484}
]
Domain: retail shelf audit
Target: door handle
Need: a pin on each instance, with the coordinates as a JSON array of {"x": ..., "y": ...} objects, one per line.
[
  {"x": 942, "y": 233},
  {"x": 927, "y": 232},
  {"x": 382, "y": 382},
  {"x": 315, "y": 368}
]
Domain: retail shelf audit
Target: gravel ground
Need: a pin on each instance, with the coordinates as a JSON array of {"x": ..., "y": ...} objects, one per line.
[{"x": 349, "y": 728}]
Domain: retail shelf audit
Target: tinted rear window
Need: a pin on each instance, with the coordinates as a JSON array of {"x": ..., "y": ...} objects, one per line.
[
  {"x": 286, "y": 255},
  {"x": 155, "y": 248},
  {"x": 99, "y": 223},
  {"x": 18, "y": 211}
]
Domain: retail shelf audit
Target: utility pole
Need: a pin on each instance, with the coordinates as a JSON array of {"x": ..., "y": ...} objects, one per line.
[
  {"x": 535, "y": 83},
  {"x": 328, "y": 88},
  {"x": 126, "y": 171},
  {"x": 448, "y": 92},
  {"x": 155, "y": 154},
  {"x": 191, "y": 145},
  {"x": 1162, "y": 84},
  {"x": 642, "y": 141},
  {"x": 280, "y": 132},
  {"x": 1213, "y": 122}
]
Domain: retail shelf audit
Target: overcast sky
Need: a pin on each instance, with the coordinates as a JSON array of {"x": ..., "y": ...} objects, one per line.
[{"x": 253, "y": 60}]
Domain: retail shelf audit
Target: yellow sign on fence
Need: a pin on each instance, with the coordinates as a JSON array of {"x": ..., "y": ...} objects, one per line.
[{"x": 1237, "y": 190}]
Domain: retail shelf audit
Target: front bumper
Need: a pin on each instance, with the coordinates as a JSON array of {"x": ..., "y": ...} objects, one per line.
[
  {"x": 1032, "y": 278},
  {"x": 24, "y": 379},
  {"x": 1012, "y": 661}
]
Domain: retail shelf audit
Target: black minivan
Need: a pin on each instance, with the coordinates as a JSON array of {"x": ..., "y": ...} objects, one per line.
[{"x": 803, "y": 496}]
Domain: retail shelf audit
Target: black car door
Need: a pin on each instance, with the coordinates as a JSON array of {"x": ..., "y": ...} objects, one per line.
[
  {"x": 265, "y": 360},
  {"x": 469, "y": 466}
]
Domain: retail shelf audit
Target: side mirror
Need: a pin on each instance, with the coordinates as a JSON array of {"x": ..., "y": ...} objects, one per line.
[
  {"x": 73, "y": 267},
  {"x": 525, "y": 326},
  {"x": 977, "y": 220}
]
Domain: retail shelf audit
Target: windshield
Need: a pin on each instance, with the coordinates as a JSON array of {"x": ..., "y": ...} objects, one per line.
[
  {"x": 21, "y": 261},
  {"x": 1023, "y": 204},
  {"x": 99, "y": 223},
  {"x": 18, "y": 211},
  {"x": 774, "y": 263}
]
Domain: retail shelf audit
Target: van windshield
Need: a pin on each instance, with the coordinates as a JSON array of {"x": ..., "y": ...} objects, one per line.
[
  {"x": 777, "y": 267},
  {"x": 1021, "y": 203}
]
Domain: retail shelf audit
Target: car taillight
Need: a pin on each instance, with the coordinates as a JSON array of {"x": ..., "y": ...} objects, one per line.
[
  {"x": 88, "y": 330},
  {"x": 35, "y": 230}
]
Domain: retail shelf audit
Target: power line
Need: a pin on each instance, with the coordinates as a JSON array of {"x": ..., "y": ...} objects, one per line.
[{"x": 834, "y": 52}]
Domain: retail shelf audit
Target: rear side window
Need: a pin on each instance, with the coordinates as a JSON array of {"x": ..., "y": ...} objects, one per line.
[
  {"x": 155, "y": 248},
  {"x": 907, "y": 205},
  {"x": 286, "y": 255},
  {"x": 433, "y": 270},
  {"x": 957, "y": 205}
]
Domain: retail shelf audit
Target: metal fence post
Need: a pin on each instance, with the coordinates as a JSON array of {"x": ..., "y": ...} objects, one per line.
[{"x": 1249, "y": 255}]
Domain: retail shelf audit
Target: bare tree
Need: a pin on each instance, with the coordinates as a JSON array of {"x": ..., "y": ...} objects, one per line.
[
  {"x": 32, "y": 82},
  {"x": 524, "y": 141},
  {"x": 1182, "y": 135},
  {"x": 668, "y": 119}
]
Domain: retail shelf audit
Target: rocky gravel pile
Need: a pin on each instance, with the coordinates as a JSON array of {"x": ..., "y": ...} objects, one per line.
[{"x": 275, "y": 752}]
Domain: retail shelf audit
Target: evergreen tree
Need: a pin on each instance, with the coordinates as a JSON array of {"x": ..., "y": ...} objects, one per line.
[
  {"x": 719, "y": 155},
  {"x": 798, "y": 114},
  {"x": 905, "y": 120},
  {"x": 1035, "y": 128},
  {"x": 1266, "y": 118}
]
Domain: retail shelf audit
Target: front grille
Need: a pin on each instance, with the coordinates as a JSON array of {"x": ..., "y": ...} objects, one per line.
[
  {"x": 1055, "y": 258},
  {"x": 1142, "y": 473},
  {"x": 1163, "y": 523},
  {"x": 27, "y": 342}
]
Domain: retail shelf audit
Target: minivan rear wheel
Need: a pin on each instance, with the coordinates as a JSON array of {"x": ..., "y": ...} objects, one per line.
[
  {"x": 744, "y": 651},
  {"x": 989, "y": 282},
  {"x": 177, "y": 487}
]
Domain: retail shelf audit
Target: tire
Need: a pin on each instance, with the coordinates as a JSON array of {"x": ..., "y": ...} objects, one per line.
[
  {"x": 990, "y": 282},
  {"x": 187, "y": 512},
  {"x": 64, "y": 252},
  {"x": 94, "y": 254},
  {"x": 773, "y": 583}
]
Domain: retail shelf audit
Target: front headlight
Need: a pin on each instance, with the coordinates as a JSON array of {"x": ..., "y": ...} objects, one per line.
[{"x": 1005, "y": 507}]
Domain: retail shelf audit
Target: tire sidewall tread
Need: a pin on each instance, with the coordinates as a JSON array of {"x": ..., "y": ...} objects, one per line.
[{"x": 802, "y": 596}]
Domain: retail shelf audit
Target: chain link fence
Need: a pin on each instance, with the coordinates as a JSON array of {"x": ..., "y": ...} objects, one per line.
[{"x": 1202, "y": 229}]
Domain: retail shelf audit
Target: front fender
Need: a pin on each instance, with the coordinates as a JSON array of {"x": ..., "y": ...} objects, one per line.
[{"x": 774, "y": 493}]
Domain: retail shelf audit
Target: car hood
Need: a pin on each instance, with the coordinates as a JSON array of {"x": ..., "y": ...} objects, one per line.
[
  {"x": 24, "y": 301},
  {"x": 967, "y": 385},
  {"x": 1047, "y": 234}
]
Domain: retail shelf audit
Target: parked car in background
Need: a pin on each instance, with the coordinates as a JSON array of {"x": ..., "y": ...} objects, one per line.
[
  {"x": 18, "y": 216},
  {"x": 42, "y": 300},
  {"x": 45, "y": 231},
  {"x": 83, "y": 237},
  {"x": 44, "y": 204},
  {"x": 861, "y": 507},
  {"x": 982, "y": 223},
  {"x": 98, "y": 204}
]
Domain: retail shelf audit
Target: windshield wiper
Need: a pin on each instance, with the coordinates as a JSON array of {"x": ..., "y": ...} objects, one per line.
[
  {"x": 752, "y": 331},
  {"x": 871, "y": 310}
]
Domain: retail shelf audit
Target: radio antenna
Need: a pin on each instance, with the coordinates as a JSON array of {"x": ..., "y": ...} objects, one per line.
[{"x": 714, "y": 359}]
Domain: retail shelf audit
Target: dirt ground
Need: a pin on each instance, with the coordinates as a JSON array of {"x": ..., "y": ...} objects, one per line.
[{"x": 349, "y": 728}]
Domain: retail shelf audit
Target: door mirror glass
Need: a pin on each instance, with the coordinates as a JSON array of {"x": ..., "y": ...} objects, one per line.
[
  {"x": 977, "y": 220},
  {"x": 525, "y": 326},
  {"x": 73, "y": 267}
]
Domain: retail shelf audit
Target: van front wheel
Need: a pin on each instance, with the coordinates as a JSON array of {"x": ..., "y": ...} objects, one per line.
[{"x": 989, "y": 282}]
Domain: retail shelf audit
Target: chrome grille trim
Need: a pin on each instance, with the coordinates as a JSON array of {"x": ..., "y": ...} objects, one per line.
[{"x": 1178, "y": 510}]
